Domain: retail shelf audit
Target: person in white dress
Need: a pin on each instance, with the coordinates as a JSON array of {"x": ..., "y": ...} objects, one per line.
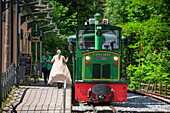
[{"x": 59, "y": 71}]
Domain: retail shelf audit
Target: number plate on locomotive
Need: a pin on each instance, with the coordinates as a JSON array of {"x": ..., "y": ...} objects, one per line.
[{"x": 101, "y": 58}]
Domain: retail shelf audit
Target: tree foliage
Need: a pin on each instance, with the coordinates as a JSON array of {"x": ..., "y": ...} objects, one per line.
[
  {"x": 115, "y": 11},
  {"x": 68, "y": 15},
  {"x": 146, "y": 25},
  {"x": 148, "y": 50}
]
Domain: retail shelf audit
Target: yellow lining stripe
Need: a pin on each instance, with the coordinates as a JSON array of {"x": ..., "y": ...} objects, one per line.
[{"x": 102, "y": 79}]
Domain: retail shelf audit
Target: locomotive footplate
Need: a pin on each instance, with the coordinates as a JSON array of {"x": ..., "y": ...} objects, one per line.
[{"x": 105, "y": 92}]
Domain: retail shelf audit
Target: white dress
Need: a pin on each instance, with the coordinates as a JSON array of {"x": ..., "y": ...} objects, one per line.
[{"x": 59, "y": 71}]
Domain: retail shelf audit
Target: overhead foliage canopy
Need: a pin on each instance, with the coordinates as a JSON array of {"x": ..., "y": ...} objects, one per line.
[{"x": 145, "y": 23}]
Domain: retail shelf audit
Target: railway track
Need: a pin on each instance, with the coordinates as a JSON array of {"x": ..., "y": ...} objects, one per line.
[
  {"x": 91, "y": 108},
  {"x": 94, "y": 111},
  {"x": 136, "y": 102},
  {"x": 113, "y": 109},
  {"x": 153, "y": 96}
]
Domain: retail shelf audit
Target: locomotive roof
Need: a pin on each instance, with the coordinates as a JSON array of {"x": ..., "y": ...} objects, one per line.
[{"x": 72, "y": 36}]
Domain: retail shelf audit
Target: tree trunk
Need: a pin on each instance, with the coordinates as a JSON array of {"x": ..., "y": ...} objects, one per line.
[{"x": 78, "y": 11}]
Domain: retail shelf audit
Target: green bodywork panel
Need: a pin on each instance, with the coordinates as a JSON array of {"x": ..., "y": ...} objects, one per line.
[
  {"x": 98, "y": 32},
  {"x": 102, "y": 63},
  {"x": 80, "y": 73},
  {"x": 86, "y": 73}
]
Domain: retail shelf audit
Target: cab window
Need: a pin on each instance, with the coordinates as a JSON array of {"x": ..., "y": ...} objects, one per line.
[{"x": 86, "y": 39}]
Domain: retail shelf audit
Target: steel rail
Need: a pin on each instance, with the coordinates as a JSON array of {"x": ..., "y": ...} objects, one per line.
[
  {"x": 94, "y": 111},
  {"x": 113, "y": 109},
  {"x": 156, "y": 97}
]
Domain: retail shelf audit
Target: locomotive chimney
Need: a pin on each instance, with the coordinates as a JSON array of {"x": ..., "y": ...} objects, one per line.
[{"x": 98, "y": 31}]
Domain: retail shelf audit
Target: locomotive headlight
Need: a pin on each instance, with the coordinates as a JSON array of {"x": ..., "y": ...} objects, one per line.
[
  {"x": 115, "y": 58},
  {"x": 87, "y": 57}
]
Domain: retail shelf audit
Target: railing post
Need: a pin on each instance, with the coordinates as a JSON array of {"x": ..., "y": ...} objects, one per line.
[
  {"x": 2, "y": 92},
  {"x": 155, "y": 88},
  {"x": 152, "y": 87},
  {"x": 165, "y": 89},
  {"x": 139, "y": 86},
  {"x": 5, "y": 84},
  {"x": 160, "y": 88},
  {"x": 64, "y": 98},
  {"x": 13, "y": 76},
  {"x": 148, "y": 87}
]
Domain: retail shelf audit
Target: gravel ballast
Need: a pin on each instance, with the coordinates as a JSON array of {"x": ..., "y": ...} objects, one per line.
[
  {"x": 135, "y": 104},
  {"x": 141, "y": 103}
]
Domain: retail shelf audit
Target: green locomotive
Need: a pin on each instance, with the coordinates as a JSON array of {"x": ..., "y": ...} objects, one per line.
[{"x": 96, "y": 51}]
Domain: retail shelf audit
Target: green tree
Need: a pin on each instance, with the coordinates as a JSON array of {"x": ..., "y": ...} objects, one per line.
[
  {"x": 145, "y": 24},
  {"x": 115, "y": 11},
  {"x": 87, "y": 8}
]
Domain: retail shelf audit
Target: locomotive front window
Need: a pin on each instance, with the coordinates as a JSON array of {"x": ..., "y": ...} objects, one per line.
[
  {"x": 110, "y": 39},
  {"x": 86, "y": 39}
]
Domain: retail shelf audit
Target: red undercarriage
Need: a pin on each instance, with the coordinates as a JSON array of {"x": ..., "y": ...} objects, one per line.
[{"x": 120, "y": 91}]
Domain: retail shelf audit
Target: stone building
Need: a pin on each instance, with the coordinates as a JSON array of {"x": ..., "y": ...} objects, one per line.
[{"x": 9, "y": 37}]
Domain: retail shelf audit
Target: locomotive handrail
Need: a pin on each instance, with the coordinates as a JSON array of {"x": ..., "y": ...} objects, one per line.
[{"x": 78, "y": 66}]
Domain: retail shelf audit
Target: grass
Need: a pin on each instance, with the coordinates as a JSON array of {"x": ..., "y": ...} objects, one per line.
[
  {"x": 44, "y": 100},
  {"x": 26, "y": 101},
  {"x": 38, "y": 101},
  {"x": 9, "y": 97},
  {"x": 56, "y": 101},
  {"x": 50, "y": 100}
]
